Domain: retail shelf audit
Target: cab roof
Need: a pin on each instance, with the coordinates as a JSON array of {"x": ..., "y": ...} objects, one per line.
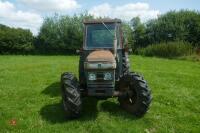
[{"x": 96, "y": 21}]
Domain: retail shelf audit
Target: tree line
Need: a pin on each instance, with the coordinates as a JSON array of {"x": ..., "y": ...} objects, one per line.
[
  {"x": 63, "y": 34},
  {"x": 15, "y": 41},
  {"x": 181, "y": 25}
]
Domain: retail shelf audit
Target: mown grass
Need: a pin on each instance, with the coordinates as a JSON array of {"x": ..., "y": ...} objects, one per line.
[{"x": 30, "y": 96}]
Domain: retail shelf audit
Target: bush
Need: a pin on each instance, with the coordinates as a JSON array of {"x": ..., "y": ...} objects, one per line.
[
  {"x": 15, "y": 40},
  {"x": 61, "y": 34},
  {"x": 171, "y": 49}
]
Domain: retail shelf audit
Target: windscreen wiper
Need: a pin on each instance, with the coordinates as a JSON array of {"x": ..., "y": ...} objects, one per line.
[
  {"x": 107, "y": 28},
  {"x": 115, "y": 39}
]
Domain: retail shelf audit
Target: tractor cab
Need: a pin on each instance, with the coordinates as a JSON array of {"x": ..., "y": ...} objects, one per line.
[{"x": 102, "y": 34}]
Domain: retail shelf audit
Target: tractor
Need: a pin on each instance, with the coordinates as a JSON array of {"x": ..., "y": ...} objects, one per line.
[{"x": 104, "y": 71}]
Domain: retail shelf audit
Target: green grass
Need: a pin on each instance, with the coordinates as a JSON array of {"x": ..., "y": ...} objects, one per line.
[{"x": 30, "y": 95}]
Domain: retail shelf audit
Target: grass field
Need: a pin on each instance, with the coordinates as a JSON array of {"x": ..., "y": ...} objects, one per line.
[{"x": 30, "y": 98}]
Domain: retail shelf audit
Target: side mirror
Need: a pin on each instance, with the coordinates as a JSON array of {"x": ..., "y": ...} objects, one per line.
[
  {"x": 78, "y": 51},
  {"x": 128, "y": 50}
]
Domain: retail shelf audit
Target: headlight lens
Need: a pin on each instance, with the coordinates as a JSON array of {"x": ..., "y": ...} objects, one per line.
[
  {"x": 107, "y": 76},
  {"x": 92, "y": 76}
]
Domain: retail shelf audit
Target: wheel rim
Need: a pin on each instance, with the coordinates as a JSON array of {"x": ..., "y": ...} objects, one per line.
[
  {"x": 129, "y": 102},
  {"x": 131, "y": 99},
  {"x": 138, "y": 99}
]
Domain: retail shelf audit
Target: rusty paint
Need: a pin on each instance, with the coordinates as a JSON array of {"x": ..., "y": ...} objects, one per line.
[
  {"x": 13, "y": 122},
  {"x": 106, "y": 20},
  {"x": 101, "y": 55}
]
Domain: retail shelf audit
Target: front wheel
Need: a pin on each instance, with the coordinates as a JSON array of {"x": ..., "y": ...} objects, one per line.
[
  {"x": 138, "y": 98},
  {"x": 71, "y": 98}
]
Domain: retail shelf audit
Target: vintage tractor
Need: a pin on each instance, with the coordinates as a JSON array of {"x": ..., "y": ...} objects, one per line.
[{"x": 104, "y": 72}]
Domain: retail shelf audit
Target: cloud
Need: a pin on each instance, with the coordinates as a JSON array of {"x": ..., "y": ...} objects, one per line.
[
  {"x": 51, "y": 5},
  {"x": 31, "y": 17},
  {"x": 10, "y": 16},
  {"x": 125, "y": 12}
]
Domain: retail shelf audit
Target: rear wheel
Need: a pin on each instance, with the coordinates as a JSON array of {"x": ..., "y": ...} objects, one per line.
[
  {"x": 138, "y": 96},
  {"x": 71, "y": 98}
]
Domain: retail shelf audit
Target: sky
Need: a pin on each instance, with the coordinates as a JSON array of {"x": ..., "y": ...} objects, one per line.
[{"x": 29, "y": 14}]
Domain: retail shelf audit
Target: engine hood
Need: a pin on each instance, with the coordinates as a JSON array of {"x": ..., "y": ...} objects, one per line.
[
  {"x": 101, "y": 56},
  {"x": 102, "y": 59}
]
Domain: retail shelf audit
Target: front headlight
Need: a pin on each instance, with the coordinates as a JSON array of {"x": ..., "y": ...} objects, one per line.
[
  {"x": 107, "y": 76},
  {"x": 92, "y": 76}
]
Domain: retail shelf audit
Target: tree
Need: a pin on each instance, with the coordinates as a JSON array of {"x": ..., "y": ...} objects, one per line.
[
  {"x": 139, "y": 33},
  {"x": 127, "y": 32},
  {"x": 61, "y": 34},
  {"x": 15, "y": 41},
  {"x": 174, "y": 25}
]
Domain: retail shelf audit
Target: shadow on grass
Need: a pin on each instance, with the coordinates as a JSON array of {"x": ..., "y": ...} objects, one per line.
[
  {"x": 114, "y": 109},
  {"x": 52, "y": 90},
  {"x": 54, "y": 113}
]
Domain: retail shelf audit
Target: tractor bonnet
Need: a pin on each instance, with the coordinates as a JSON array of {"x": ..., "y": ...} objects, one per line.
[
  {"x": 101, "y": 59},
  {"x": 101, "y": 55}
]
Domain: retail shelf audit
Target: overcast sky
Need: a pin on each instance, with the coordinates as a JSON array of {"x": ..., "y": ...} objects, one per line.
[{"x": 29, "y": 14}]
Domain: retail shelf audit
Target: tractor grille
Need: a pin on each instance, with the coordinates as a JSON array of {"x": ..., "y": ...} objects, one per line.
[
  {"x": 100, "y": 89},
  {"x": 100, "y": 85},
  {"x": 100, "y": 75}
]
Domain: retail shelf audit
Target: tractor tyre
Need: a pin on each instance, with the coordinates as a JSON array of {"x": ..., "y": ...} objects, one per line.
[
  {"x": 138, "y": 96},
  {"x": 71, "y": 97}
]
